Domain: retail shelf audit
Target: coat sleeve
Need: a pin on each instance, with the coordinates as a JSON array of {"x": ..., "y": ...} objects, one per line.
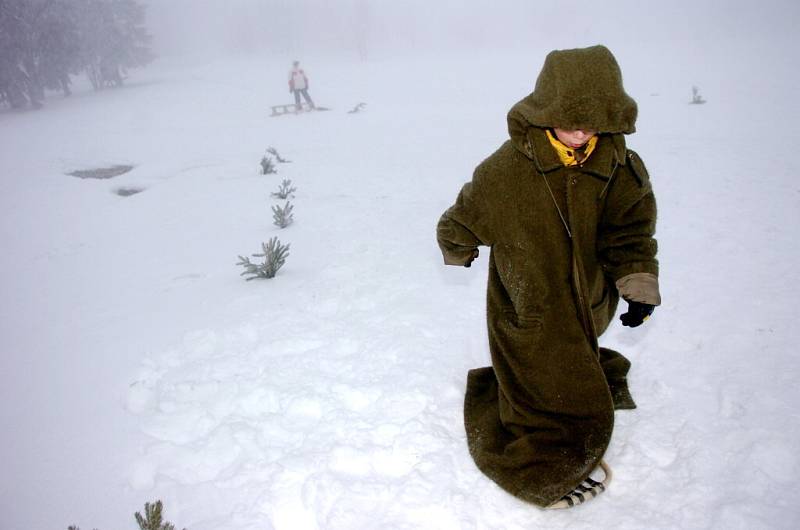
[
  {"x": 626, "y": 244},
  {"x": 465, "y": 225}
]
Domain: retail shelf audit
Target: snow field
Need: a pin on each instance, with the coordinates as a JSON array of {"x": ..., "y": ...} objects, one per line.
[{"x": 330, "y": 397}]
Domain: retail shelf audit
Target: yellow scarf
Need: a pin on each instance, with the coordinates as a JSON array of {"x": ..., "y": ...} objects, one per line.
[{"x": 568, "y": 155}]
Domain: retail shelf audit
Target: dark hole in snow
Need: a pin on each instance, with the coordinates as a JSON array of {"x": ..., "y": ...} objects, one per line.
[
  {"x": 101, "y": 172},
  {"x": 127, "y": 192}
]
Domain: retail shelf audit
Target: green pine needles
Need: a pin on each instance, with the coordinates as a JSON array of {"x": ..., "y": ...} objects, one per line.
[
  {"x": 282, "y": 215},
  {"x": 267, "y": 167},
  {"x": 274, "y": 254},
  {"x": 153, "y": 518},
  {"x": 274, "y": 152},
  {"x": 285, "y": 190},
  {"x": 697, "y": 99},
  {"x": 357, "y": 108}
]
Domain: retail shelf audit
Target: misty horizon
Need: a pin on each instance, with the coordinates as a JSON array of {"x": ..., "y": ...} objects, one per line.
[{"x": 374, "y": 28}]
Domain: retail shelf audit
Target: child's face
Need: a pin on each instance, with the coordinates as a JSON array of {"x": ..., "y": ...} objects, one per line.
[{"x": 574, "y": 138}]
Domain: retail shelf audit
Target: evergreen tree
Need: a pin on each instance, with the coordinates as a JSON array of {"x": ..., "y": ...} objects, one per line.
[
  {"x": 285, "y": 190},
  {"x": 113, "y": 39},
  {"x": 57, "y": 44},
  {"x": 44, "y": 42},
  {"x": 274, "y": 254},
  {"x": 153, "y": 518},
  {"x": 282, "y": 216},
  {"x": 267, "y": 167},
  {"x": 697, "y": 99},
  {"x": 18, "y": 76}
]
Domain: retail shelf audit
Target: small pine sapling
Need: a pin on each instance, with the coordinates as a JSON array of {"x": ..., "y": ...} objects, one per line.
[
  {"x": 697, "y": 99},
  {"x": 274, "y": 254},
  {"x": 274, "y": 152},
  {"x": 282, "y": 216},
  {"x": 152, "y": 519},
  {"x": 285, "y": 190},
  {"x": 267, "y": 167},
  {"x": 357, "y": 108}
]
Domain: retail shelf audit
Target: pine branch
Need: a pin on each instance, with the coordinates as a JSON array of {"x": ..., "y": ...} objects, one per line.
[
  {"x": 285, "y": 190},
  {"x": 249, "y": 268},
  {"x": 152, "y": 519},
  {"x": 357, "y": 108},
  {"x": 267, "y": 167},
  {"x": 697, "y": 99},
  {"x": 274, "y": 254},
  {"x": 274, "y": 152},
  {"x": 282, "y": 217}
]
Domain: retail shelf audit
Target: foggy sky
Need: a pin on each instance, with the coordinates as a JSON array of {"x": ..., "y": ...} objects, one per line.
[{"x": 378, "y": 27}]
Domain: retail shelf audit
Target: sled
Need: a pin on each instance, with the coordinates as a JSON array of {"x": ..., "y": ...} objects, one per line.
[{"x": 291, "y": 108}]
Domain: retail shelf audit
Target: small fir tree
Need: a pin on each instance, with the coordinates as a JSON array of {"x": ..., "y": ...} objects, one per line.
[
  {"x": 282, "y": 216},
  {"x": 357, "y": 108},
  {"x": 274, "y": 254},
  {"x": 285, "y": 190},
  {"x": 697, "y": 99},
  {"x": 152, "y": 519},
  {"x": 267, "y": 167}
]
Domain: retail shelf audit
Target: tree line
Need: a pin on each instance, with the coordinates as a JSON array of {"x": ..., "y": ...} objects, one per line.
[{"x": 43, "y": 43}]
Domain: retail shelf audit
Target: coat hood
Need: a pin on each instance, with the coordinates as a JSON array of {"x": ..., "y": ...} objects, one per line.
[{"x": 579, "y": 89}]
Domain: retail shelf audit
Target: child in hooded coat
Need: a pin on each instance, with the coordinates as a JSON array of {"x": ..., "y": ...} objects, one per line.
[{"x": 569, "y": 214}]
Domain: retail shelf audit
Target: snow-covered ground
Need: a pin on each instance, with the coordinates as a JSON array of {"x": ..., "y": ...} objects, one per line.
[{"x": 136, "y": 364}]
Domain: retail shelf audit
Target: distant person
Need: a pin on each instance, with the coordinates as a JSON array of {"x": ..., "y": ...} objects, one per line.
[
  {"x": 569, "y": 215},
  {"x": 298, "y": 84}
]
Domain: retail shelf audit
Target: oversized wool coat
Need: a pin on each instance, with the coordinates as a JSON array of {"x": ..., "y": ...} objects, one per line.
[{"x": 540, "y": 418}]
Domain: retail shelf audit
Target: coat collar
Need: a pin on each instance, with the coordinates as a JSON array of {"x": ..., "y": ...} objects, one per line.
[
  {"x": 601, "y": 163},
  {"x": 532, "y": 141},
  {"x": 570, "y": 156}
]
